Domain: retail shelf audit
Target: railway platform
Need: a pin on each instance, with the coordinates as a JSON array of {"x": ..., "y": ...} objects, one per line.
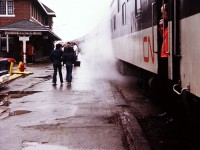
[
  {"x": 89, "y": 114},
  {"x": 100, "y": 110}
]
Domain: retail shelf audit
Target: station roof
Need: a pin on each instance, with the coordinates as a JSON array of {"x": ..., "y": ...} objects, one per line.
[
  {"x": 26, "y": 25},
  {"x": 48, "y": 11}
]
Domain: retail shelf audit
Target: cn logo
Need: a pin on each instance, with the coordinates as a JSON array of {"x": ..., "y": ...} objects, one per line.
[{"x": 147, "y": 50}]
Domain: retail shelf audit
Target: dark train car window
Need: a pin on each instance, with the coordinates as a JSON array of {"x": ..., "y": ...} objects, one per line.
[
  {"x": 124, "y": 14},
  {"x": 118, "y": 5},
  {"x": 114, "y": 22},
  {"x": 137, "y": 8}
]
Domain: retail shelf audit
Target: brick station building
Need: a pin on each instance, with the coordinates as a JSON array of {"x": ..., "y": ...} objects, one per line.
[{"x": 26, "y": 30}]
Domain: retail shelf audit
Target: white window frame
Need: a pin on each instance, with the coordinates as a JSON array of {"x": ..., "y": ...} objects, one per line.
[
  {"x": 137, "y": 8},
  {"x": 7, "y": 8}
]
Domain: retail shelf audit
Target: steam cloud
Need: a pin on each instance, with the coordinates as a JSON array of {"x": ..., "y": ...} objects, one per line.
[{"x": 98, "y": 51}]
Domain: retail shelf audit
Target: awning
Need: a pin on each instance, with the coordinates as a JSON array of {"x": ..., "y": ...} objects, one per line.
[{"x": 27, "y": 27}]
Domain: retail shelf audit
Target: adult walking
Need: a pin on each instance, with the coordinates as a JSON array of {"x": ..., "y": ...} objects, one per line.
[
  {"x": 56, "y": 58},
  {"x": 69, "y": 59}
]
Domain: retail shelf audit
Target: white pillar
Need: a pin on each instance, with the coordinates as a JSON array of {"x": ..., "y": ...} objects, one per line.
[
  {"x": 7, "y": 43},
  {"x": 24, "y": 51},
  {"x": 24, "y": 39}
]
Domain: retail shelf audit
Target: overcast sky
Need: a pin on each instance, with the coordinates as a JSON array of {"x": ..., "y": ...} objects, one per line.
[{"x": 75, "y": 18}]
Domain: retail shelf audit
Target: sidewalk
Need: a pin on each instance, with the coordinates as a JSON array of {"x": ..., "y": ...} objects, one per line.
[{"x": 86, "y": 115}]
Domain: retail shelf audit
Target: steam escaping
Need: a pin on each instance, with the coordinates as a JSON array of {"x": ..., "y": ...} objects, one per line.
[{"x": 98, "y": 51}]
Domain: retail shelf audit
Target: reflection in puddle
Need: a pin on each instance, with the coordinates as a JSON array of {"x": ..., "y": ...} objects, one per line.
[
  {"x": 19, "y": 94},
  {"x": 37, "y": 146},
  {"x": 19, "y": 112}
]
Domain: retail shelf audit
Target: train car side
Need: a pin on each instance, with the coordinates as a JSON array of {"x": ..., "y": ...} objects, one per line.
[
  {"x": 135, "y": 34},
  {"x": 136, "y": 41},
  {"x": 190, "y": 46}
]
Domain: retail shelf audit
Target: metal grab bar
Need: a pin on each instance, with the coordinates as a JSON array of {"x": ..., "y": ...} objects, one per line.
[
  {"x": 152, "y": 24},
  {"x": 179, "y": 93}
]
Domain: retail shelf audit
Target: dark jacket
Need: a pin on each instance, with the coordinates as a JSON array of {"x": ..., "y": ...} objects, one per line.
[
  {"x": 69, "y": 57},
  {"x": 56, "y": 56}
]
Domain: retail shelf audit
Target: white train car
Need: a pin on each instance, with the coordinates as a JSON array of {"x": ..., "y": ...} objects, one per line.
[{"x": 137, "y": 42}]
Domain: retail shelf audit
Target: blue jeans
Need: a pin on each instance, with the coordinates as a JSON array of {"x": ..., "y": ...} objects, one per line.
[
  {"x": 59, "y": 69},
  {"x": 69, "y": 71}
]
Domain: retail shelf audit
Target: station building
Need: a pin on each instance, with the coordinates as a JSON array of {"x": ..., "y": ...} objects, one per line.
[{"x": 26, "y": 30}]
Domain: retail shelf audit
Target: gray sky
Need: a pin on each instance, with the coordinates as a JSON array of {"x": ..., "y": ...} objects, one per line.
[{"x": 75, "y": 18}]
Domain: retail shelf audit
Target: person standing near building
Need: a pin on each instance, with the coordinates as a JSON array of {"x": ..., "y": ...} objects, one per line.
[
  {"x": 56, "y": 58},
  {"x": 69, "y": 59}
]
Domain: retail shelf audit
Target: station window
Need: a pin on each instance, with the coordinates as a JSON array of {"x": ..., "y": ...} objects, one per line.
[
  {"x": 6, "y": 7},
  {"x": 124, "y": 14},
  {"x": 137, "y": 8},
  {"x": 46, "y": 21},
  {"x": 3, "y": 44}
]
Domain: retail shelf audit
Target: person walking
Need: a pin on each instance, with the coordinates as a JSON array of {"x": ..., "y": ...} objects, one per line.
[
  {"x": 69, "y": 59},
  {"x": 56, "y": 58}
]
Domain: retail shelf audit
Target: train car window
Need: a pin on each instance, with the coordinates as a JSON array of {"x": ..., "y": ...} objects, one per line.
[
  {"x": 114, "y": 22},
  {"x": 124, "y": 14},
  {"x": 118, "y": 5},
  {"x": 137, "y": 8}
]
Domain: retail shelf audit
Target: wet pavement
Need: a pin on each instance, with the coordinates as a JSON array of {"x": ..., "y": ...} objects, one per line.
[{"x": 86, "y": 115}]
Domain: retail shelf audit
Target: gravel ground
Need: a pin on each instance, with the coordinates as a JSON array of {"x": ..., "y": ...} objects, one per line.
[{"x": 160, "y": 131}]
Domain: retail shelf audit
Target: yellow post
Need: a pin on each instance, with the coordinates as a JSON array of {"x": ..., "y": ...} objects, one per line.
[{"x": 11, "y": 68}]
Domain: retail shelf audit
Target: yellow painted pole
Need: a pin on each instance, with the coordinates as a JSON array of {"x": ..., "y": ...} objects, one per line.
[{"x": 11, "y": 67}]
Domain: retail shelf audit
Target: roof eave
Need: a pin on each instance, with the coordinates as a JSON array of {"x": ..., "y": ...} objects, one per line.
[
  {"x": 50, "y": 14},
  {"x": 35, "y": 30},
  {"x": 18, "y": 29}
]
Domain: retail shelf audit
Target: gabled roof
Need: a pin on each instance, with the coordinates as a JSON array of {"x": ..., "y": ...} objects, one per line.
[
  {"x": 27, "y": 25},
  {"x": 48, "y": 11}
]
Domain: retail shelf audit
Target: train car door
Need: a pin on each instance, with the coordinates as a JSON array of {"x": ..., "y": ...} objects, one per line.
[
  {"x": 173, "y": 41},
  {"x": 168, "y": 40},
  {"x": 163, "y": 39}
]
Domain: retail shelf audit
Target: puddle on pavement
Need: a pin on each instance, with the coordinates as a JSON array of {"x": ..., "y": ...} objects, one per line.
[
  {"x": 47, "y": 77},
  {"x": 6, "y": 97},
  {"x": 19, "y": 112},
  {"x": 19, "y": 94},
  {"x": 37, "y": 146}
]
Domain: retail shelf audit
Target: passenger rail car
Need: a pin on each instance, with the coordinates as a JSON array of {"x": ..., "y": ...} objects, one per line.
[{"x": 137, "y": 41}]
